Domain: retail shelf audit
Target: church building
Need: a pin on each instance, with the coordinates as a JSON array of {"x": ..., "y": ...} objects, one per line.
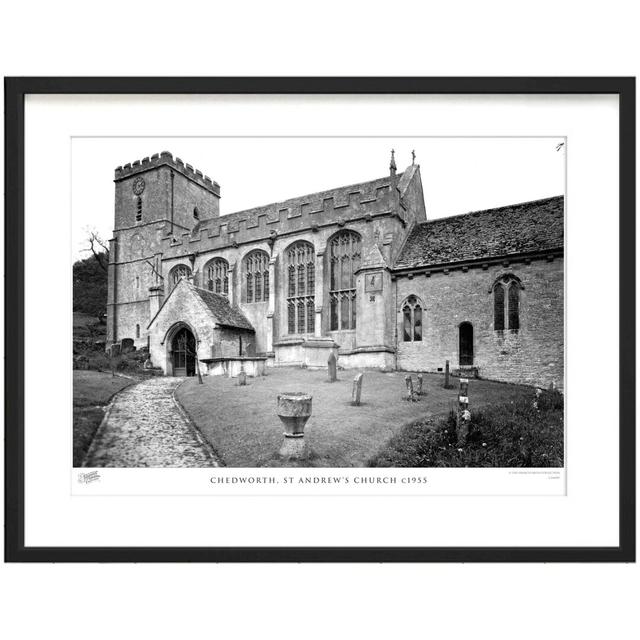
[{"x": 359, "y": 271}]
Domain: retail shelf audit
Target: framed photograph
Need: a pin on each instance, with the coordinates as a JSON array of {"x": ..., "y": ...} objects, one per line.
[{"x": 320, "y": 319}]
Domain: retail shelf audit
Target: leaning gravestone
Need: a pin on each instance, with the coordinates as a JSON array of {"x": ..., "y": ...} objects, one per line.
[
  {"x": 357, "y": 390},
  {"x": 126, "y": 345},
  {"x": 333, "y": 376},
  {"x": 410, "y": 393}
]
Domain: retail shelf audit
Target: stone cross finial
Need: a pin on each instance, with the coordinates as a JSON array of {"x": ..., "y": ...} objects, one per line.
[{"x": 392, "y": 164}]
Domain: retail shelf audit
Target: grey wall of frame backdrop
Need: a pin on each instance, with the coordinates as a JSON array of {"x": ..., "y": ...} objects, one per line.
[{"x": 15, "y": 91}]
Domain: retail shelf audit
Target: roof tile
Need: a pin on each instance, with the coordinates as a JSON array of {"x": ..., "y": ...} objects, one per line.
[
  {"x": 520, "y": 228},
  {"x": 225, "y": 314}
]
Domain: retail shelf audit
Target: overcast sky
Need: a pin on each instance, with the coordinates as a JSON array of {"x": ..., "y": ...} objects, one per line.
[{"x": 458, "y": 174}]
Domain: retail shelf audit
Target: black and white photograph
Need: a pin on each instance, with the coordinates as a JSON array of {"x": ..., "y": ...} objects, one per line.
[
  {"x": 369, "y": 322},
  {"x": 333, "y": 302},
  {"x": 320, "y": 320}
]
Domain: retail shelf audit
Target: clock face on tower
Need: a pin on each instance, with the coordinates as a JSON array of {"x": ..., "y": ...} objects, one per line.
[{"x": 138, "y": 186}]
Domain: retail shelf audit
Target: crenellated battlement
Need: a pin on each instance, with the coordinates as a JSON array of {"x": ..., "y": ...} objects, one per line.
[
  {"x": 339, "y": 206},
  {"x": 165, "y": 158}
]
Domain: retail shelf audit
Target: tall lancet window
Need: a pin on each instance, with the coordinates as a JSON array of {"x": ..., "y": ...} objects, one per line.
[
  {"x": 514, "y": 306},
  {"x": 412, "y": 319},
  {"x": 256, "y": 270},
  {"x": 506, "y": 303},
  {"x": 301, "y": 285},
  {"x": 216, "y": 276},
  {"x": 344, "y": 255},
  {"x": 498, "y": 307}
]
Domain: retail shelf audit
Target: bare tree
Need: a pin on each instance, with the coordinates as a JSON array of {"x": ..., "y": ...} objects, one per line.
[{"x": 100, "y": 250}]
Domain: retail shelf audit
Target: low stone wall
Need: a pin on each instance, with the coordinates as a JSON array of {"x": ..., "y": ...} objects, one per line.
[
  {"x": 312, "y": 353},
  {"x": 231, "y": 367},
  {"x": 368, "y": 358}
]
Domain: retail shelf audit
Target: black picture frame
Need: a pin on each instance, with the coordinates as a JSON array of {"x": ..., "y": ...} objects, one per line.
[{"x": 15, "y": 91}]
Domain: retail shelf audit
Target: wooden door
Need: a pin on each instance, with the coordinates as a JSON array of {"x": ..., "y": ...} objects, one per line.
[{"x": 184, "y": 353}]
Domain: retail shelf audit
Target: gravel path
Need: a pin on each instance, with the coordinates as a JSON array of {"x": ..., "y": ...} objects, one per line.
[{"x": 146, "y": 428}]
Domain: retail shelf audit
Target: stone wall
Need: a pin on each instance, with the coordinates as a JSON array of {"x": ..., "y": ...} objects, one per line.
[
  {"x": 532, "y": 355},
  {"x": 389, "y": 231}
]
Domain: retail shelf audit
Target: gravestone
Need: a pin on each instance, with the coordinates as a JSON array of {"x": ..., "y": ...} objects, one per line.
[
  {"x": 419, "y": 391},
  {"x": 463, "y": 420},
  {"x": 242, "y": 379},
  {"x": 148, "y": 364},
  {"x": 333, "y": 376},
  {"x": 446, "y": 375},
  {"x": 410, "y": 393},
  {"x": 81, "y": 362},
  {"x": 126, "y": 345},
  {"x": 536, "y": 399},
  {"x": 114, "y": 350},
  {"x": 357, "y": 390}
]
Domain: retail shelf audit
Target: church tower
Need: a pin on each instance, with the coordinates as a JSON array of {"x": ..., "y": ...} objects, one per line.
[{"x": 156, "y": 199}]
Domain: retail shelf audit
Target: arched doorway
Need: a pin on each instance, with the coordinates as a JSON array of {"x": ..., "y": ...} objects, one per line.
[
  {"x": 466, "y": 344},
  {"x": 183, "y": 350}
]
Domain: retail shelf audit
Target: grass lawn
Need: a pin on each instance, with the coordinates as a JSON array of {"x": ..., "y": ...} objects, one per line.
[
  {"x": 513, "y": 434},
  {"x": 92, "y": 391},
  {"x": 241, "y": 423}
]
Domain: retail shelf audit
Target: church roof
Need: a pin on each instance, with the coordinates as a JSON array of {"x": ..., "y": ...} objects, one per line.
[
  {"x": 527, "y": 227},
  {"x": 225, "y": 314}
]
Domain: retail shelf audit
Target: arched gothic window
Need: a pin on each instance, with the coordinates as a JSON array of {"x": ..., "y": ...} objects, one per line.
[
  {"x": 176, "y": 274},
  {"x": 256, "y": 269},
  {"x": 506, "y": 303},
  {"x": 344, "y": 256},
  {"x": 301, "y": 285},
  {"x": 216, "y": 276},
  {"x": 412, "y": 319}
]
